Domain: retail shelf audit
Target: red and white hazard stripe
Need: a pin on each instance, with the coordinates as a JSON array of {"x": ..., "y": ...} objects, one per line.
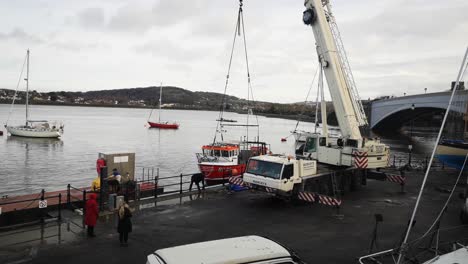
[
  {"x": 308, "y": 197},
  {"x": 236, "y": 180},
  {"x": 315, "y": 197},
  {"x": 360, "y": 159},
  {"x": 396, "y": 178},
  {"x": 327, "y": 200}
]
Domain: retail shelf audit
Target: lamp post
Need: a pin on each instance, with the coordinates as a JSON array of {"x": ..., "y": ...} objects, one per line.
[{"x": 410, "y": 146}]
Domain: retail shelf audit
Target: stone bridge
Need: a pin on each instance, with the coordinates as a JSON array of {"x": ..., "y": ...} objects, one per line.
[{"x": 394, "y": 112}]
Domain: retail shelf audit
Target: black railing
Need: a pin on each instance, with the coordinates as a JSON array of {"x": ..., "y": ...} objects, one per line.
[{"x": 43, "y": 206}]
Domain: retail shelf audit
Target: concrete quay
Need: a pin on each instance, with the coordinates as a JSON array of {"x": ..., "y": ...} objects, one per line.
[{"x": 316, "y": 232}]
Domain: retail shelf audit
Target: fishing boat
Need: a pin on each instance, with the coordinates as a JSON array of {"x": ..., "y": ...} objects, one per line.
[
  {"x": 222, "y": 159},
  {"x": 161, "y": 124},
  {"x": 34, "y": 128}
]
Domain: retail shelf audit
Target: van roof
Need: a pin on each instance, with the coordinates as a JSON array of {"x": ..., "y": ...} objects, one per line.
[{"x": 230, "y": 250}]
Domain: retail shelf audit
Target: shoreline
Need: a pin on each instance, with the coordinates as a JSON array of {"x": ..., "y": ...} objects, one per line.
[{"x": 268, "y": 115}]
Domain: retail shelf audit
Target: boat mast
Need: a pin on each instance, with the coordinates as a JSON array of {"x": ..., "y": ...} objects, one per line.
[
  {"x": 27, "y": 87},
  {"x": 160, "y": 96}
]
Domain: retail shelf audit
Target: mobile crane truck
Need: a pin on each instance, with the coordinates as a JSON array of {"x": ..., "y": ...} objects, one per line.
[{"x": 343, "y": 161}]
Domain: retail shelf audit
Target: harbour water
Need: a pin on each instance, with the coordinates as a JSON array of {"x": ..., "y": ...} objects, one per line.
[{"x": 28, "y": 165}]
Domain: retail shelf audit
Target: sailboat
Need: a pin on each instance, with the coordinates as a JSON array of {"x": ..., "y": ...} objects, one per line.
[
  {"x": 161, "y": 124},
  {"x": 34, "y": 128}
]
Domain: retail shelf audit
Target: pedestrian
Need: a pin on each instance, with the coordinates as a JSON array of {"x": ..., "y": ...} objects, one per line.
[
  {"x": 91, "y": 214},
  {"x": 125, "y": 224},
  {"x": 114, "y": 181}
]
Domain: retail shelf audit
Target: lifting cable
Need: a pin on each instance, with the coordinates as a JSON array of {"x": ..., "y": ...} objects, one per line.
[
  {"x": 307, "y": 97},
  {"x": 240, "y": 28}
]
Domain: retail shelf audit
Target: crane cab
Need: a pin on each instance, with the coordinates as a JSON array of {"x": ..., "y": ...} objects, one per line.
[{"x": 341, "y": 152}]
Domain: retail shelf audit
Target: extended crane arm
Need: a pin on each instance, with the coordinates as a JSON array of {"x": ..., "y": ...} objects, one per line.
[{"x": 333, "y": 67}]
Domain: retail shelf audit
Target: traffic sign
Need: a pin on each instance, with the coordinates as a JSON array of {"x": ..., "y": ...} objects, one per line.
[{"x": 43, "y": 204}]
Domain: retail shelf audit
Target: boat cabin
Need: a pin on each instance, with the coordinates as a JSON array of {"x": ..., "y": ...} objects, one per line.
[{"x": 221, "y": 150}]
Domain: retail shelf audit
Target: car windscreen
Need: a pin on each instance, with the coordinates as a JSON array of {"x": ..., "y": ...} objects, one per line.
[{"x": 265, "y": 168}]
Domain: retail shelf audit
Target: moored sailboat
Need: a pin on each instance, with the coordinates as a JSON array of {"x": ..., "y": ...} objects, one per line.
[
  {"x": 159, "y": 123},
  {"x": 34, "y": 128}
]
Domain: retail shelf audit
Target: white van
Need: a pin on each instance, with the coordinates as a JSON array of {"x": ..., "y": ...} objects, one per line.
[{"x": 246, "y": 249}]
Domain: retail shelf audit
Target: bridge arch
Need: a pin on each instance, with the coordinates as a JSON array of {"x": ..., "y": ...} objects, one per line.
[{"x": 403, "y": 109}]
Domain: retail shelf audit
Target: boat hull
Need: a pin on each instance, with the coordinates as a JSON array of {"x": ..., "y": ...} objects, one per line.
[
  {"x": 453, "y": 155},
  {"x": 33, "y": 132},
  {"x": 215, "y": 172},
  {"x": 163, "y": 125}
]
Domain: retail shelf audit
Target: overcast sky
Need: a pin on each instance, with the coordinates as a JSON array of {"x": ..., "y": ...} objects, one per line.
[{"x": 393, "y": 46}]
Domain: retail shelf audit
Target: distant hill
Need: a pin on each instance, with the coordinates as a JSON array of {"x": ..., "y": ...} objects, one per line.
[{"x": 172, "y": 97}]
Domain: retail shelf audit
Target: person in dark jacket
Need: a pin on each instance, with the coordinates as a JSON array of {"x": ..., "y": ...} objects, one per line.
[
  {"x": 91, "y": 214},
  {"x": 125, "y": 224}
]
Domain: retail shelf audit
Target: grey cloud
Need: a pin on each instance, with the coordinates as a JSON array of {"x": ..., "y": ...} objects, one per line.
[
  {"x": 74, "y": 45},
  {"x": 164, "y": 13},
  {"x": 172, "y": 50},
  {"x": 92, "y": 17},
  {"x": 20, "y": 35},
  {"x": 131, "y": 18}
]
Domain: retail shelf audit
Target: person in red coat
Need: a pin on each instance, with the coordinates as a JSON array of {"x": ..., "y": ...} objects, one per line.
[{"x": 91, "y": 214}]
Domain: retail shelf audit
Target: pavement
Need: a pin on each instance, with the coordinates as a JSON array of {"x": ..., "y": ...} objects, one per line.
[{"x": 316, "y": 232}]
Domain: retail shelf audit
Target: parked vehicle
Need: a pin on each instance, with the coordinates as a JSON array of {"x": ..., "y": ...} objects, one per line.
[{"x": 245, "y": 249}]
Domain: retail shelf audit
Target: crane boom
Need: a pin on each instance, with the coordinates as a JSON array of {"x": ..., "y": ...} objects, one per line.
[
  {"x": 331, "y": 63},
  {"x": 350, "y": 149}
]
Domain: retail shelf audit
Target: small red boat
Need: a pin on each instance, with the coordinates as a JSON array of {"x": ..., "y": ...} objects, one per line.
[
  {"x": 222, "y": 160},
  {"x": 161, "y": 124},
  {"x": 165, "y": 125}
]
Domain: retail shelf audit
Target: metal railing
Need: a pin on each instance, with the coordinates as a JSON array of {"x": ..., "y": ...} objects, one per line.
[{"x": 43, "y": 206}]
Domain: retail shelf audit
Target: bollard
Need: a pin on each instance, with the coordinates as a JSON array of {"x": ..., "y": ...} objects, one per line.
[
  {"x": 42, "y": 209},
  {"x": 180, "y": 191},
  {"x": 60, "y": 207},
  {"x": 68, "y": 196},
  {"x": 155, "y": 187}
]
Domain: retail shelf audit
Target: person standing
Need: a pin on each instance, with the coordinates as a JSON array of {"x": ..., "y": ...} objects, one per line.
[
  {"x": 125, "y": 224},
  {"x": 91, "y": 214}
]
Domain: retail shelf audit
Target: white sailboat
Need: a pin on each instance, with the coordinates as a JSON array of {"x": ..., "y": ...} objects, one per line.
[{"x": 34, "y": 128}]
